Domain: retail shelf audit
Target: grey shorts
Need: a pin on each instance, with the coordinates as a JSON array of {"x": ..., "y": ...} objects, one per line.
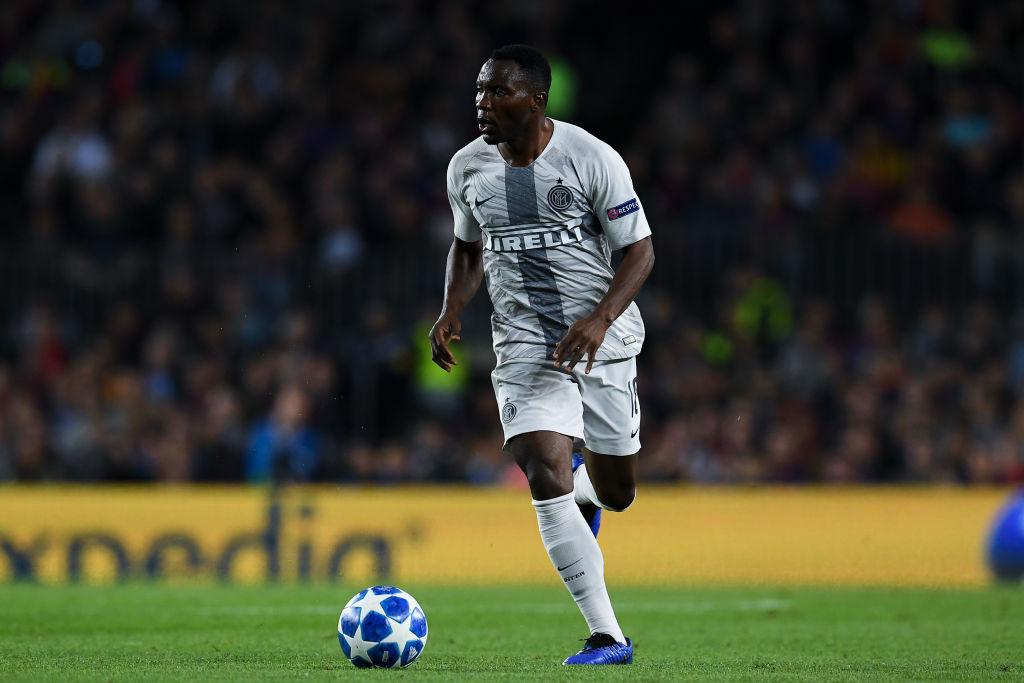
[{"x": 601, "y": 408}]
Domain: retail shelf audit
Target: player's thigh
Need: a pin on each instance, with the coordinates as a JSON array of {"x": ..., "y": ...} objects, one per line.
[
  {"x": 537, "y": 397},
  {"x": 611, "y": 408}
]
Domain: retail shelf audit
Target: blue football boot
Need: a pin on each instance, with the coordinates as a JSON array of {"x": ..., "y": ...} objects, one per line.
[
  {"x": 601, "y": 648},
  {"x": 591, "y": 513}
]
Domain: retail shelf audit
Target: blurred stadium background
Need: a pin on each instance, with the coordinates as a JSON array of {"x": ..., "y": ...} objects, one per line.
[{"x": 224, "y": 227}]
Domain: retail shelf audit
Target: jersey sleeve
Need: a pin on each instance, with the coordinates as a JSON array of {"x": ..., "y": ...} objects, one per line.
[
  {"x": 466, "y": 227},
  {"x": 615, "y": 201}
]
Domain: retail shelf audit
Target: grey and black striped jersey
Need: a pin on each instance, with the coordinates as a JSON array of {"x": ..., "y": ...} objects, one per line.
[{"x": 548, "y": 232}]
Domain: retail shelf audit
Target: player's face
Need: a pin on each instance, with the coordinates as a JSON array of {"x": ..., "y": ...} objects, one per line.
[{"x": 504, "y": 102}]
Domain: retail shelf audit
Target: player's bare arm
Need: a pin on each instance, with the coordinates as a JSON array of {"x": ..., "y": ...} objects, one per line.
[
  {"x": 463, "y": 274},
  {"x": 586, "y": 335}
]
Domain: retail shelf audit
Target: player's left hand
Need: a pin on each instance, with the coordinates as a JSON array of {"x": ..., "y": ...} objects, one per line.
[{"x": 583, "y": 338}]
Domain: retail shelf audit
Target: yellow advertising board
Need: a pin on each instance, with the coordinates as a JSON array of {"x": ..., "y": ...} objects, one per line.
[{"x": 452, "y": 535}]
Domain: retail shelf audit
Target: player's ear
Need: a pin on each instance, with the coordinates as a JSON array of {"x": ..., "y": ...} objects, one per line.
[{"x": 540, "y": 100}]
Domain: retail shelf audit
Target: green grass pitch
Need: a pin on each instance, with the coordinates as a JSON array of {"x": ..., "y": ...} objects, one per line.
[{"x": 288, "y": 632}]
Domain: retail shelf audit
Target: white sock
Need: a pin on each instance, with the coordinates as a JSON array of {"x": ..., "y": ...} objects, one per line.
[
  {"x": 578, "y": 560},
  {"x": 584, "y": 488}
]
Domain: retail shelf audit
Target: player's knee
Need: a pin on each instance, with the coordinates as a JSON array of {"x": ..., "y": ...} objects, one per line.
[
  {"x": 543, "y": 484},
  {"x": 545, "y": 481},
  {"x": 618, "y": 499}
]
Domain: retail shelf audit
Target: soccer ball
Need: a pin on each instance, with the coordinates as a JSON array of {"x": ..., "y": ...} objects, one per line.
[{"x": 382, "y": 626}]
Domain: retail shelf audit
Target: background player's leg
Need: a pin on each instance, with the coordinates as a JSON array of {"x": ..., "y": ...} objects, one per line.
[
  {"x": 608, "y": 481},
  {"x": 545, "y": 458}
]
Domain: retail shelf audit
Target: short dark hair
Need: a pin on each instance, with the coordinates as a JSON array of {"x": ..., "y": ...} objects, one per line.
[{"x": 531, "y": 61}]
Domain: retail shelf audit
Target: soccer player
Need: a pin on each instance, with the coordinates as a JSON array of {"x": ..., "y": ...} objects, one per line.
[{"x": 540, "y": 205}]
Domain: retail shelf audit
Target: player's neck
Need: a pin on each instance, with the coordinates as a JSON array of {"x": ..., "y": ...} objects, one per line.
[{"x": 524, "y": 150}]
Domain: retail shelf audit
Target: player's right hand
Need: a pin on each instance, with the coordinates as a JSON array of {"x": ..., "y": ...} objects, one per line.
[{"x": 446, "y": 329}]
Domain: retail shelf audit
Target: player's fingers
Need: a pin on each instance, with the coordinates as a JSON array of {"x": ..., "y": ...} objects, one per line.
[
  {"x": 441, "y": 355},
  {"x": 562, "y": 357},
  {"x": 441, "y": 363},
  {"x": 440, "y": 335},
  {"x": 444, "y": 332},
  {"x": 562, "y": 350},
  {"x": 574, "y": 357},
  {"x": 453, "y": 335}
]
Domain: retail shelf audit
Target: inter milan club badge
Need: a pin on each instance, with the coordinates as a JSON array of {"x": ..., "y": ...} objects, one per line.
[
  {"x": 560, "y": 197},
  {"x": 508, "y": 411}
]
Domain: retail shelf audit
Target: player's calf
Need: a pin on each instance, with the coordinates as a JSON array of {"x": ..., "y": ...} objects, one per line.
[
  {"x": 610, "y": 482},
  {"x": 616, "y": 498}
]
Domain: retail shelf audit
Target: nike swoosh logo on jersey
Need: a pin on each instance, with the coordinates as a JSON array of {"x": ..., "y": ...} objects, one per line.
[
  {"x": 484, "y": 201},
  {"x": 569, "y": 565},
  {"x": 634, "y": 432}
]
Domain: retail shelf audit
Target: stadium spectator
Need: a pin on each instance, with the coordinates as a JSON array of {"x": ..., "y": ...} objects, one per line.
[
  {"x": 283, "y": 446},
  {"x": 181, "y": 179}
]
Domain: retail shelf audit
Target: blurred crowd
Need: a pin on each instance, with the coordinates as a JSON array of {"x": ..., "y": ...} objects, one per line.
[{"x": 223, "y": 228}]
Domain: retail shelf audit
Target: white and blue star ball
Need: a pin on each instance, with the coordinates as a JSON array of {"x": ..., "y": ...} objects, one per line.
[{"x": 382, "y": 626}]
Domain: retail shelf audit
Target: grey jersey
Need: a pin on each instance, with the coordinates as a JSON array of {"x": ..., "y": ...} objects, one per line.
[{"x": 548, "y": 232}]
